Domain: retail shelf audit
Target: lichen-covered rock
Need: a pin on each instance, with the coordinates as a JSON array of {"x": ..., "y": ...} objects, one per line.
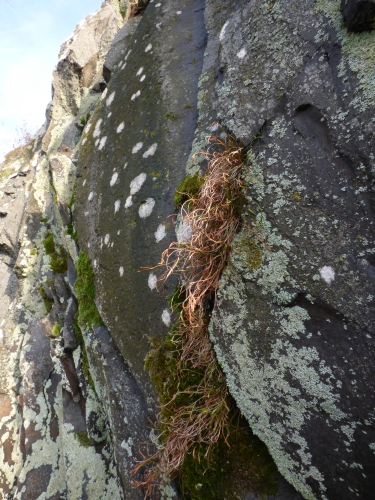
[
  {"x": 294, "y": 331},
  {"x": 47, "y": 450},
  {"x": 90, "y": 199}
]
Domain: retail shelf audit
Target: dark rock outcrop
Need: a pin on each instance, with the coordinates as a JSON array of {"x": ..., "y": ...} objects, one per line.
[
  {"x": 292, "y": 327},
  {"x": 359, "y": 15}
]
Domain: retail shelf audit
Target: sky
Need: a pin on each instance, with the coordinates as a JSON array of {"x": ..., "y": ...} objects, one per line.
[{"x": 31, "y": 33}]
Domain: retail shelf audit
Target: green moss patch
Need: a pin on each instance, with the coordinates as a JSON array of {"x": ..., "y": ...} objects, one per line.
[
  {"x": 239, "y": 462},
  {"x": 72, "y": 232},
  {"x": 73, "y": 196},
  {"x": 85, "y": 365},
  {"x": 85, "y": 289},
  {"x": 252, "y": 254},
  {"x": 56, "y": 330},
  {"x": 48, "y": 303},
  {"x": 59, "y": 259},
  {"x": 188, "y": 188},
  {"x": 233, "y": 469},
  {"x": 83, "y": 438},
  {"x": 88, "y": 314},
  {"x": 6, "y": 172}
]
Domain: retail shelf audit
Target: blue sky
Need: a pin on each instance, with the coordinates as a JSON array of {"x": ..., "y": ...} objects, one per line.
[{"x": 31, "y": 32}]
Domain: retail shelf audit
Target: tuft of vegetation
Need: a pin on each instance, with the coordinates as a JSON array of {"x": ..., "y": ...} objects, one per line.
[
  {"x": 56, "y": 330},
  {"x": 5, "y": 173},
  {"x": 73, "y": 197},
  {"x": 83, "y": 438},
  {"x": 85, "y": 365},
  {"x": 59, "y": 258},
  {"x": 232, "y": 469},
  {"x": 188, "y": 188},
  {"x": 198, "y": 420},
  {"x": 48, "y": 303},
  {"x": 80, "y": 125},
  {"x": 85, "y": 289},
  {"x": 171, "y": 117},
  {"x": 252, "y": 252},
  {"x": 72, "y": 232}
]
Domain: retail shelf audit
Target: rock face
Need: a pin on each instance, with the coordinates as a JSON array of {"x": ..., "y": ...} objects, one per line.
[
  {"x": 359, "y": 15},
  {"x": 293, "y": 323}
]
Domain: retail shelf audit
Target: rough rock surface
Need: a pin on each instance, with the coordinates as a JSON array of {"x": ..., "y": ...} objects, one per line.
[
  {"x": 49, "y": 447},
  {"x": 359, "y": 15},
  {"x": 295, "y": 335},
  {"x": 293, "y": 324}
]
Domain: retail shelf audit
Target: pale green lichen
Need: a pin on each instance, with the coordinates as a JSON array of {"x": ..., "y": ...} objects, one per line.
[{"x": 251, "y": 371}]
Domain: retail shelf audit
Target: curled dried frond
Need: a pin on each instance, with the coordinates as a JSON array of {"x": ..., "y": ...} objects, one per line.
[{"x": 195, "y": 402}]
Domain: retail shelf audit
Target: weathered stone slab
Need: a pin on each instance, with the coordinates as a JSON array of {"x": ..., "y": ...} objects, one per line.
[
  {"x": 119, "y": 210},
  {"x": 295, "y": 335}
]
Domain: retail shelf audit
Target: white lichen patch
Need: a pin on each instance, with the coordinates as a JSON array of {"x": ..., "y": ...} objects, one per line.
[
  {"x": 327, "y": 274},
  {"x": 96, "y": 132},
  {"x": 137, "y": 94},
  {"x": 129, "y": 202},
  {"x": 242, "y": 53},
  {"x": 102, "y": 143},
  {"x": 104, "y": 94},
  {"x": 110, "y": 99},
  {"x": 166, "y": 317},
  {"x": 183, "y": 231},
  {"x": 137, "y": 147},
  {"x": 120, "y": 128},
  {"x": 137, "y": 183},
  {"x": 113, "y": 179},
  {"x": 150, "y": 151},
  {"x": 222, "y": 31},
  {"x": 160, "y": 233},
  {"x": 146, "y": 208},
  {"x": 84, "y": 462},
  {"x": 127, "y": 445},
  {"x": 152, "y": 281}
]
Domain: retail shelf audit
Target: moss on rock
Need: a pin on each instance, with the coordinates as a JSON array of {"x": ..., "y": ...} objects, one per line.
[
  {"x": 239, "y": 462},
  {"x": 83, "y": 438},
  {"x": 56, "y": 330},
  {"x": 85, "y": 289},
  {"x": 188, "y": 188},
  {"x": 233, "y": 469},
  {"x": 59, "y": 259},
  {"x": 48, "y": 303}
]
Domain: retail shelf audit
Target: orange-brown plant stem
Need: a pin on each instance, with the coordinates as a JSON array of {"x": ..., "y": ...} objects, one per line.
[{"x": 211, "y": 218}]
